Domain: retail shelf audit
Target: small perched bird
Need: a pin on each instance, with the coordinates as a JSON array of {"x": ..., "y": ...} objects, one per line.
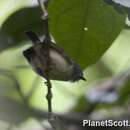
[{"x": 61, "y": 67}]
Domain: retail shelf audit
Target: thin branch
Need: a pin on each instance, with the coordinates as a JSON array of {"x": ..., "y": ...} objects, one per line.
[
  {"x": 47, "y": 41},
  {"x": 53, "y": 120},
  {"x": 43, "y": 8},
  {"x": 44, "y": 19},
  {"x": 49, "y": 96}
]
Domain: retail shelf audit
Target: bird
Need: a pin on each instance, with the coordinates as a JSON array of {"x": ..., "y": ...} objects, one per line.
[{"x": 61, "y": 66}]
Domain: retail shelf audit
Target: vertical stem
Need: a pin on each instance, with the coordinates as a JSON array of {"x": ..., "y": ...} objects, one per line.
[
  {"x": 49, "y": 86},
  {"x": 42, "y": 6},
  {"x": 45, "y": 20},
  {"x": 46, "y": 30},
  {"x": 47, "y": 41},
  {"x": 49, "y": 96}
]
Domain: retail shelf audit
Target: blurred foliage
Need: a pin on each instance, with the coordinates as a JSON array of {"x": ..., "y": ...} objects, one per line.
[
  {"x": 122, "y": 6},
  {"x": 86, "y": 30},
  {"x": 13, "y": 29}
]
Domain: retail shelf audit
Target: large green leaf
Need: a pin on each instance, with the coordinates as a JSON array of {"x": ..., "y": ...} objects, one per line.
[
  {"x": 84, "y": 28},
  {"x": 13, "y": 29}
]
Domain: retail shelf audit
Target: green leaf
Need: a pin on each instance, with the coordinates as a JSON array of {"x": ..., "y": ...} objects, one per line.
[
  {"x": 10, "y": 6},
  {"x": 84, "y": 28},
  {"x": 13, "y": 29}
]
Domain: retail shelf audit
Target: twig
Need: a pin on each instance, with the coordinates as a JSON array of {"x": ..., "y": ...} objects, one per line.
[
  {"x": 47, "y": 41},
  {"x": 44, "y": 19},
  {"x": 53, "y": 120},
  {"x": 49, "y": 96},
  {"x": 43, "y": 8}
]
